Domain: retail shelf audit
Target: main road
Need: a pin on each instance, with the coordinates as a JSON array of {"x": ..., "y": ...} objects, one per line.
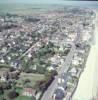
[{"x": 49, "y": 92}]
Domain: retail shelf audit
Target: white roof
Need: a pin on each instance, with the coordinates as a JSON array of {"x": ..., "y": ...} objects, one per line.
[
  {"x": 29, "y": 55},
  {"x": 73, "y": 70},
  {"x": 50, "y": 68},
  {"x": 61, "y": 88},
  {"x": 75, "y": 62},
  {"x": 2, "y": 61}
]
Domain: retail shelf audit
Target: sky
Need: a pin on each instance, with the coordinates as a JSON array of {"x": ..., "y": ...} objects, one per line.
[{"x": 38, "y": 1}]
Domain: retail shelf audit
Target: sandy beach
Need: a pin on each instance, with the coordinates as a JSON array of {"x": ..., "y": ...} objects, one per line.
[
  {"x": 89, "y": 79},
  {"x": 95, "y": 88}
]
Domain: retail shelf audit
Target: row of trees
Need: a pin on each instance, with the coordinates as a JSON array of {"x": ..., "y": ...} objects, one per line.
[{"x": 44, "y": 84}]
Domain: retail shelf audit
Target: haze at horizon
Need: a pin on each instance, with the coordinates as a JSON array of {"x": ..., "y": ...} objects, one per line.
[{"x": 48, "y": 2}]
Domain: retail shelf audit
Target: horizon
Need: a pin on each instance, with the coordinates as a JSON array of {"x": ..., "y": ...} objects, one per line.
[
  {"x": 16, "y": 3},
  {"x": 48, "y": 1}
]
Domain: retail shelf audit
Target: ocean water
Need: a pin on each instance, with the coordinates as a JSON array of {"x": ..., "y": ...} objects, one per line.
[
  {"x": 29, "y": 5},
  {"x": 47, "y": 2}
]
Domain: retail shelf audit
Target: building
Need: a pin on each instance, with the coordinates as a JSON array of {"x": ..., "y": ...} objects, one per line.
[
  {"x": 28, "y": 92},
  {"x": 59, "y": 94}
]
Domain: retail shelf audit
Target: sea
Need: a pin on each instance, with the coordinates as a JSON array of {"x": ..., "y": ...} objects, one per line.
[{"x": 27, "y": 6}]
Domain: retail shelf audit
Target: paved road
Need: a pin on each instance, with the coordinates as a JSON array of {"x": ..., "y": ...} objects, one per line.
[
  {"x": 49, "y": 92},
  {"x": 30, "y": 49}
]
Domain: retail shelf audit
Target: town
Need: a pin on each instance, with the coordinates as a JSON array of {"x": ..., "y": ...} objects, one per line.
[{"x": 42, "y": 55}]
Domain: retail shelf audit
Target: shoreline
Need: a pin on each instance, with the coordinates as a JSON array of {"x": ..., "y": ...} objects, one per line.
[
  {"x": 86, "y": 88},
  {"x": 95, "y": 83},
  {"x": 81, "y": 72}
]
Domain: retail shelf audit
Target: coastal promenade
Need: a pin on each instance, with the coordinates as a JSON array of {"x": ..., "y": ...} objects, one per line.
[{"x": 88, "y": 81}]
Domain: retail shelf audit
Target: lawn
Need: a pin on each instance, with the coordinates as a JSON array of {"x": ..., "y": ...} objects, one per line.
[
  {"x": 5, "y": 94},
  {"x": 33, "y": 78},
  {"x": 19, "y": 90},
  {"x": 4, "y": 66},
  {"x": 24, "y": 98}
]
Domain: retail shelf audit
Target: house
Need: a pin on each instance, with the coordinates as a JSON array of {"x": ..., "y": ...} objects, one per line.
[
  {"x": 4, "y": 49},
  {"x": 59, "y": 94},
  {"x": 75, "y": 62},
  {"x": 29, "y": 55},
  {"x": 73, "y": 72},
  {"x": 81, "y": 51},
  {"x": 55, "y": 59},
  {"x": 61, "y": 80},
  {"x": 3, "y": 74},
  {"x": 2, "y": 61},
  {"x": 86, "y": 36},
  {"x": 28, "y": 92},
  {"x": 61, "y": 48},
  {"x": 9, "y": 58},
  {"x": 50, "y": 68},
  {"x": 34, "y": 67},
  {"x": 3, "y": 78}
]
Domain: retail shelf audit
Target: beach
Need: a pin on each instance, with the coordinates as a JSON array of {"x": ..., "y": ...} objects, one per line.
[
  {"x": 95, "y": 87},
  {"x": 88, "y": 81}
]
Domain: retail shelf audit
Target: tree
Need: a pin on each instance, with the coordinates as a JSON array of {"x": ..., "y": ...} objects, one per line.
[
  {"x": 54, "y": 73},
  {"x": 26, "y": 81},
  {"x": 4, "y": 99},
  {"x": 1, "y": 90},
  {"x": 12, "y": 94},
  {"x": 51, "y": 44},
  {"x": 5, "y": 85},
  {"x": 11, "y": 69},
  {"x": 66, "y": 51}
]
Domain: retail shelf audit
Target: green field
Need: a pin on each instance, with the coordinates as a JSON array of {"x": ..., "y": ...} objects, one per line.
[{"x": 33, "y": 78}]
